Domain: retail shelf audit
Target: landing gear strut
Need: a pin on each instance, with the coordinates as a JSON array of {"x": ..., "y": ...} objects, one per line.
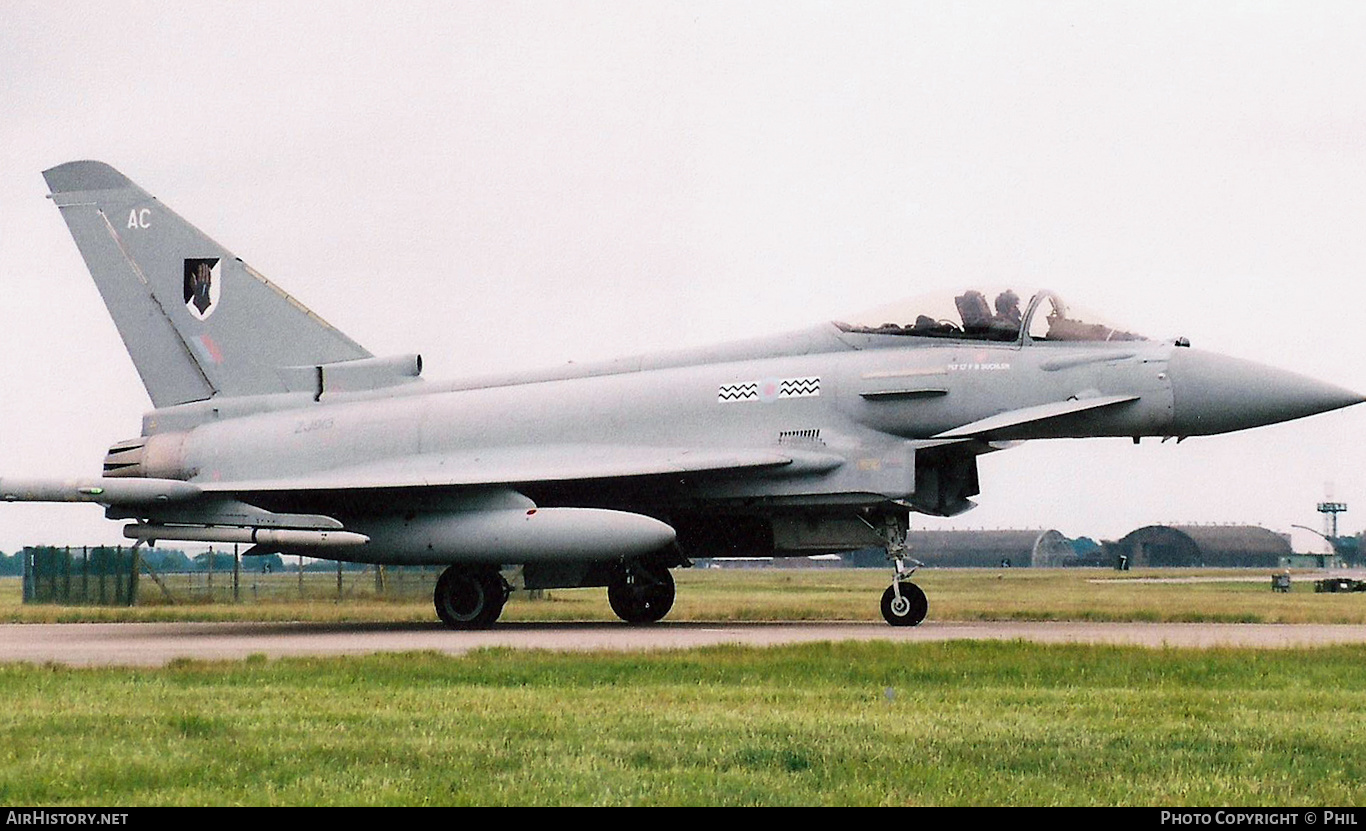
[
  {"x": 470, "y": 597},
  {"x": 903, "y": 604},
  {"x": 641, "y": 592}
]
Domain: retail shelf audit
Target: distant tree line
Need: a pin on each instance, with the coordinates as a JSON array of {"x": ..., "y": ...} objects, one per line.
[{"x": 171, "y": 560}]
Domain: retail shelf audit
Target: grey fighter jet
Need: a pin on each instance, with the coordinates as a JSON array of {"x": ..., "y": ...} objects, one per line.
[{"x": 273, "y": 429}]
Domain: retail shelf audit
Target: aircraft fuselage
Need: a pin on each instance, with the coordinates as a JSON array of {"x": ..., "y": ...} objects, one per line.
[{"x": 274, "y": 429}]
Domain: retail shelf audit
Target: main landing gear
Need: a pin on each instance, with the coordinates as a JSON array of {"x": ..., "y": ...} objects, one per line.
[
  {"x": 470, "y": 597},
  {"x": 641, "y": 592},
  {"x": 903, "y": 604}
]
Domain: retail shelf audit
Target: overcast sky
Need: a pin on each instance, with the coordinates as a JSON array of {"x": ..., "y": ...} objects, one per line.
[{"x": 505, "y": 185}]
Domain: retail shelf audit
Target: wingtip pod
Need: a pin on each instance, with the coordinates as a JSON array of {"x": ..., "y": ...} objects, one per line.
[
  {"x": 104, "y": 491},
  {"x": 84, "y": 175}
]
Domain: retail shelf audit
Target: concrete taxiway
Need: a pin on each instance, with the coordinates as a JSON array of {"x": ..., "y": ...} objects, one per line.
[{"x": 156, "y": 644}]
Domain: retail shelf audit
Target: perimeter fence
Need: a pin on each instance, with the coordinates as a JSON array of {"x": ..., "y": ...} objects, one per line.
[
  {"x": 118, "y": 576},
  {"x": 318, "y": 582},
  {"x": 99, "y": 576}
]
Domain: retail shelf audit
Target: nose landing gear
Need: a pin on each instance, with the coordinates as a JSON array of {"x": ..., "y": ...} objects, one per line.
[{"x": 903, "y": 604}]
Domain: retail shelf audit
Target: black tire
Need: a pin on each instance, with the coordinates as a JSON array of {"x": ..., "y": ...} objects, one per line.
[
  {"x": 642, "y": 593},
  {"x": 467, "y": 598},
  {"x": 911, "y": 611}
]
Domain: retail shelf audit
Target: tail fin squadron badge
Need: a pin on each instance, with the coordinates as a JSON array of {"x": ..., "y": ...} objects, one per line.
[{"x": 201, "y": 286}]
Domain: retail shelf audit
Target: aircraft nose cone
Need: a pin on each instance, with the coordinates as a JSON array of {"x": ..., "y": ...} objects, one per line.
[{"x": 1213, "y": 393}]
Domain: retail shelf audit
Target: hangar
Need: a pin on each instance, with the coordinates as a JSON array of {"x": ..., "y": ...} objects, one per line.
[
  {"x": 1017, "y": 548},
  {"x": 1216, "y": 546},
  {"x": 1027, "y": 547},
  {"x": 1153, "y": 546}
]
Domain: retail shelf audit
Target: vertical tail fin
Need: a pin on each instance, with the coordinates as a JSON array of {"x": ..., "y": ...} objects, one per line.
[{"x": 197, "y": 321}]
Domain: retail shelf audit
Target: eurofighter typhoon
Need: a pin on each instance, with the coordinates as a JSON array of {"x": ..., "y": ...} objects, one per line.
[{"x": 273, "y": 429}]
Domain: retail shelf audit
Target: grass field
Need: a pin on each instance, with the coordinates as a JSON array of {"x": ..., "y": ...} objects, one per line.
[
  {"x": 793, "y": 594},
  {"x": 967, "y": 723},
  {"x": 861, "y": 724}
]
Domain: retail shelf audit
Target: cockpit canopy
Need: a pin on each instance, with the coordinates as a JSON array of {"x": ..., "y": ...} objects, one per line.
[{"x": 991, "y": 315}]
